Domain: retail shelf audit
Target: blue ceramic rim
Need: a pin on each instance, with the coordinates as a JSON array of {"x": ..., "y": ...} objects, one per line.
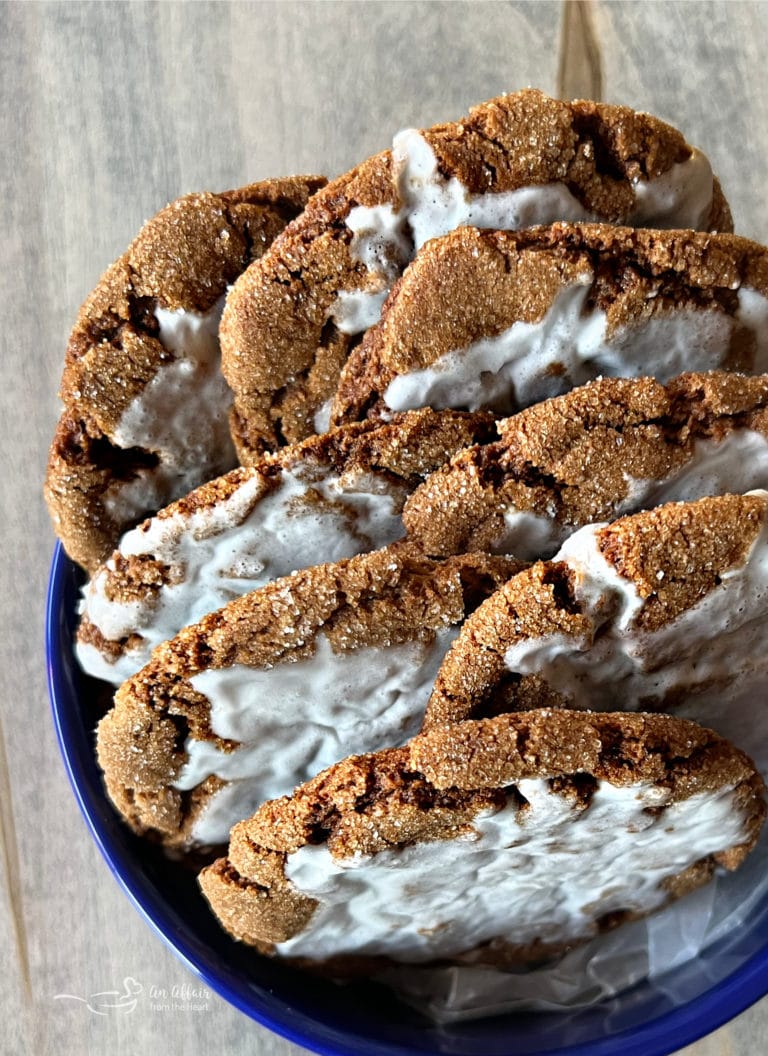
[{"x": 658, "y": 1037}]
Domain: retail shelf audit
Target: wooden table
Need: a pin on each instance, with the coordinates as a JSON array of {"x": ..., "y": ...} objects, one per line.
[{"x": 110, "y": 110}]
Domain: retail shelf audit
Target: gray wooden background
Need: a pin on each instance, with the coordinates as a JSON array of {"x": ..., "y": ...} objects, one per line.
[{"x": 109, "y": 110}]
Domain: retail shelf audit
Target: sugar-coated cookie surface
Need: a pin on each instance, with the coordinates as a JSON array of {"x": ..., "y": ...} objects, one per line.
[
  {"x": 145, "y": 405},
  {"x": 500, "y": 841},
  {"x": 503, "y": 319},
  {"x": 660, "y": 609},
  {"x": 518, "y": 160},
  {"x": 283, "y": 681},
  {"x": 606, "y": 449},
  {"x": 324, "y": 499}
]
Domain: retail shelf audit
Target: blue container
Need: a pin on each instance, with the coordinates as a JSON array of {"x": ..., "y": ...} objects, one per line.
[{"x": 365, "y": 1019}]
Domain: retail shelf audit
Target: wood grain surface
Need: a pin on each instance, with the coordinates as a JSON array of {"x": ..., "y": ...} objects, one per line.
[{"x": 110, "y": 110}]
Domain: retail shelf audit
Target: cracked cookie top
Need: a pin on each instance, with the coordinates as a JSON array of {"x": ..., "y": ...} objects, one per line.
[
  {"x": 282, "y": 681},
  {"x": 503, "y": 319},
  {"x": 606, "y": 449},
  {"x": 500, "y": 841},
  {"x": 145, "y": 405},
  {"x": 518, "y": 160},
  {"x": 327, "y": 498}
]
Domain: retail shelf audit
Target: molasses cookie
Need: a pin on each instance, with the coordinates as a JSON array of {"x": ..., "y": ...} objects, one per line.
[
  {"x": 522, "y": 159},
  {"x": 327, "y": 498},
  {"x": 660, "y": 610},
  {"x": 502, "y": 841},
  {"x": 145, "y": 406},
  {"x": 501, "y": 320},
  {"x": 262, "y": 694},
  {"x": 606, "y": 449}
]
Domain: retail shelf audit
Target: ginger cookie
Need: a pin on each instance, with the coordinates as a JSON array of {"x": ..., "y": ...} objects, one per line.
[
  {"x": 609, "y": 448},
  {"x": 145, "y": 405},
  {"x": 504, "y": 319},
  {"x": 661, "y": 610},
  {"x": 503, "y": 841},
  {"x": 522, "y": 159},
  {"x": 324, "y": 499},
  {"x": 258, "y": 696}
]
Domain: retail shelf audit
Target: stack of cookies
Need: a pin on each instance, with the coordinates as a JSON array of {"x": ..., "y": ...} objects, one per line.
[{"x": 490, "y": 581}]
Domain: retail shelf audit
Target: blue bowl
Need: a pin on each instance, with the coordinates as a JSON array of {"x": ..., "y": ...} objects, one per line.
[{"x": 365, "y": 1019}]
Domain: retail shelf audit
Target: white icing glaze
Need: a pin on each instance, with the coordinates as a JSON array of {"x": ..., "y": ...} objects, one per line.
[
  {"x": 737, "y": 463},
  {"x": 433, "y": 206},
  {"x": 181, "y": 415},
  {"x": 546, "y": 873},
  {"x": 753, "y": 313},
  {"x": 386, "y": 238},
  {"x": 568, "y": 346},
  {"x": 681, "y": 197},
  {"x": 221, "y": 552},
  {"x": 295, "y": 719},
  {"x": 98, "y": 665},
  {"x": 604, "y": 593},
  {"x": 713, "y": 649},
  {"x": 529, "y": 536},
  {"x": 322, "y": 418},
  {"x": 381, "y": 242},
  {"x": 357, "y": 310}
]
